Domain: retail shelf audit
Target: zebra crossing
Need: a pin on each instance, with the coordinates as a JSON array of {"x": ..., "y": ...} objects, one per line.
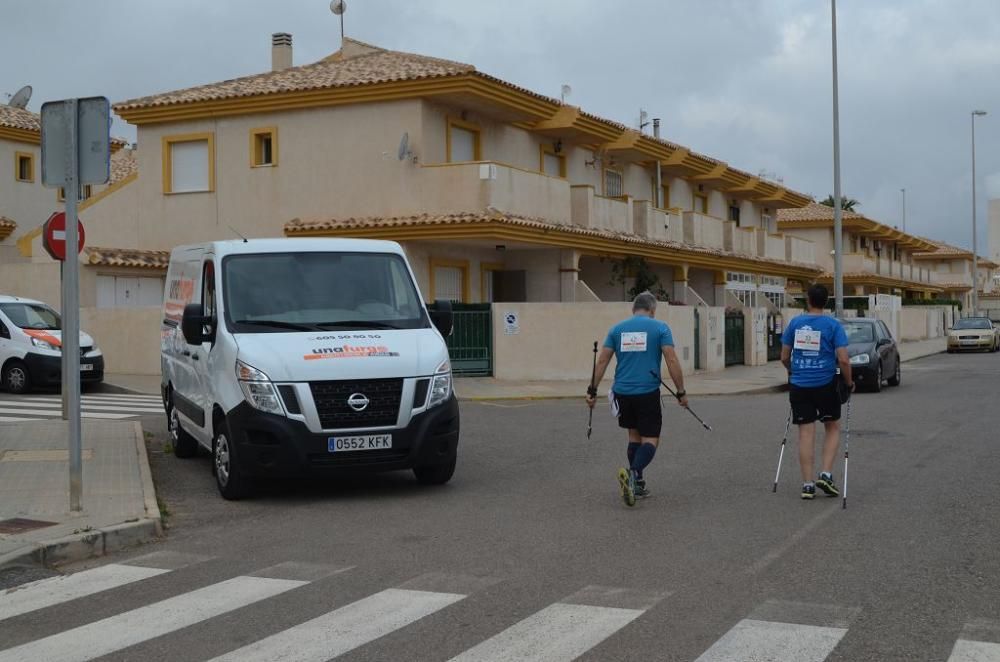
[
  {"x": 115, "y": 407},
  {"x": 559, "y": 632}
]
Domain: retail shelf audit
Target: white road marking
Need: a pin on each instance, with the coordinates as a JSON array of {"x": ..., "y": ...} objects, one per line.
[
  {"x": 43, "y": 406},
  {"x": 774, "y": 642},
  {"x": 117, "y": 632},
  {"x": 15, "y": 419},
  {"x": 559, "y": 633},
  {"x": 975, "y": 651},
  {"x": 54, "y": 590},
  {"x": 57, "y": 413},
  {"x": 344, "y": 629}
]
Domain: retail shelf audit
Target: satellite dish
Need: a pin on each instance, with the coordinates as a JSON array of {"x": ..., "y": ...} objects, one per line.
[
  {"x": 404, "y": 147},
  {"x": 338, "y": 7},
  {"x": 20, "y": 98}
]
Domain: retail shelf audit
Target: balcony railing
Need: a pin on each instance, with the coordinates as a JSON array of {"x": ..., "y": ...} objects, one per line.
[{"x": 703, "y": 230}]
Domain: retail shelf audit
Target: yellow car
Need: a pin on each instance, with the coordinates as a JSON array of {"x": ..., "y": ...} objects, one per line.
[{"x": 974, "y": 333}]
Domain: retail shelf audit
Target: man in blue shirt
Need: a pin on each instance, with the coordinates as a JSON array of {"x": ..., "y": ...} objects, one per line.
[
  {"x": 813, "y": 346},
  {"x": 637, "y": 344}
]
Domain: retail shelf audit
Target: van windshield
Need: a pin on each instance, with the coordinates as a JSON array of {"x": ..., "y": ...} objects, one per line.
[
  {"x": 31, "y": 316},
  {"x": 281, "y": 292}
]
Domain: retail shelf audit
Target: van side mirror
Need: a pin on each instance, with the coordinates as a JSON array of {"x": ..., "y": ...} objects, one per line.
[
  {"x": 442, "y": 316},
  {"x": 194, "y": 323}
]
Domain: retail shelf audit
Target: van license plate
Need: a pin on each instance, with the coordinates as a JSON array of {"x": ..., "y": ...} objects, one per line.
[
  {"x": 86, "y": 367},
  {"x": 372, "y": 442}
]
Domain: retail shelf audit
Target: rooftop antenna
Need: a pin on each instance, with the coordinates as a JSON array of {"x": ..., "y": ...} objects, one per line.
[
  {"x": 643, "y": 120},
  {"x": 338, "y": 7},
  {"x": 237, "y": 233},
  {"x": 20, "y": 98},
  {"x": 566, "y": 91}
]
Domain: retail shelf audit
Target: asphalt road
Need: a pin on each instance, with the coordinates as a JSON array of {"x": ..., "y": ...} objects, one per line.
[{"x": 713, "y": 563}]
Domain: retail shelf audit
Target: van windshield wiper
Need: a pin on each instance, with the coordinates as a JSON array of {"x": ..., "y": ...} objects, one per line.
[
  {"x": 357, "y": 324},
  {"x": 278, "y": 323}
]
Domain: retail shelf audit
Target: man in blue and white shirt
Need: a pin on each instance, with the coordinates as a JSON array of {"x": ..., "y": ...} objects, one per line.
[
  {"x": 638, "y": 344},
  {"x": 812, "y": 347}
]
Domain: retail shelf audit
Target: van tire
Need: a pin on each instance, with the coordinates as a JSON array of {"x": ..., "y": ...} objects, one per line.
[
  {"x": 185, "y": 445},
  {"x": 15, "y": 378},
  {"x": 230, "y": 477},
  {"x": 435, "y": 474}
]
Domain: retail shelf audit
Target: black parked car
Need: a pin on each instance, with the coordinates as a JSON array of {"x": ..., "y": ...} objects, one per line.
[{"x": 874, "y": 354}]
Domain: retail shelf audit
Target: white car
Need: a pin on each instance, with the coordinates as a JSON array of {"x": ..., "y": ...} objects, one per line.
[
  {"x": 283, "y": 357},
  {"x": 31, "y": 347}
]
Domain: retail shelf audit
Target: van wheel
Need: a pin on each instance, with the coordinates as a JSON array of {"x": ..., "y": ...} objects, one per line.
[
  {"x": 184, "y": 444},
  {"x": 15, "y": 378},
  {"x": 436, "y": 474},
  {"x": 231, "y": 479}
]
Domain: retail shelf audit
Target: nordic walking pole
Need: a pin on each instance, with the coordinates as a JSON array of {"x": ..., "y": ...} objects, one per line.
[
  {"x": 671, "y": 391},
  {"x": 593, "y": 393},
  {"x": 847, "y": 442},
  {"x": 781, "y": 455}
]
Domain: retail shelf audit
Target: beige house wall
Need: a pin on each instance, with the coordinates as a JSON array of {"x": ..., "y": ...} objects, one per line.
[
  {"x": 129, "y": 338},
  {"x": 29, "y": 204}
]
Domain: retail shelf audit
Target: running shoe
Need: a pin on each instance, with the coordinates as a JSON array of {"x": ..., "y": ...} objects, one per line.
[
  {"x": 808, "y": 491},
  {"x": 626, "y": 480},
  {"x": 825, "y": 483},
  {"x": 641, "y": 491}
]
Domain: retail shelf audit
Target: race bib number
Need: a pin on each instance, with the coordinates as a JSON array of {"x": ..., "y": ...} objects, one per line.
[
  {"x": 807, "y": 340},
  {"x": 634, "y": 342}
]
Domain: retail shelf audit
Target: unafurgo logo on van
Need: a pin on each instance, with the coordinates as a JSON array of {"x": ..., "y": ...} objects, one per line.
[{"x": 349, "y": 352}]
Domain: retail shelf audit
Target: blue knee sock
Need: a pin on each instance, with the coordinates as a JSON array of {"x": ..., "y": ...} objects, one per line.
[
  {"x": 633, "y": 447},
  {"x": 643, "y": 456}
]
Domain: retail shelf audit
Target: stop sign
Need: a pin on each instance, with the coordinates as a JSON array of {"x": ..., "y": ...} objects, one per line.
[{"x": 54, "y": 236}]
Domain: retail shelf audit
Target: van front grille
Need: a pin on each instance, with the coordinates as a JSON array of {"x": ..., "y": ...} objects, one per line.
[{"x": 331, "y": 398}]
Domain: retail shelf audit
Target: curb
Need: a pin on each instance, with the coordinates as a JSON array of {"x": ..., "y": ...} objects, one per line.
[
  {"x": 777, "y": 388},
  {"x": 105, "y": 540}
]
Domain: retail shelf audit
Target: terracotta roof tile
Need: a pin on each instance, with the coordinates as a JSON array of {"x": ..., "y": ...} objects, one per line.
[
  {"x": 18, "y": 118},
  {"x": 128, "y": 257},
  {"x": 299, "y": 226},
  {"x": 814, "y": 212},
  {"x": 123, "y": 164}
]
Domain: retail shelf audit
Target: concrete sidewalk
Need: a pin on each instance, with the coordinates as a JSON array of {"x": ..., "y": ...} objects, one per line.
[
  {"x": 734, "y": 380},
  {"x": 119, "y": 501},
  {"x": 731, "y": 381}
]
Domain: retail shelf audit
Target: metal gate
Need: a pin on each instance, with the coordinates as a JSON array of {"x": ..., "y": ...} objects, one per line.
[
  {"x": 734, "y": 338},
  {"x": 774, "y": 328},
  {"x": 697, "y": 339},
  {"x": 470, "y": 345}
]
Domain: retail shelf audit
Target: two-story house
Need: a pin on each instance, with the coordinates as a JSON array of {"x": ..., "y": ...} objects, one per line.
[
  {"x": 497, "y": 193},
  {"x": 951, "y": 270},
  {"x": 878, "y": 259}
]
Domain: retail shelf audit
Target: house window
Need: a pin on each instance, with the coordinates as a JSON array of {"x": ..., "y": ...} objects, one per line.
[
  {"x": 463, "y": 142},
  {"x": 486, "y": 270},
  {"x": 24, "y": 166},
  {"x": 699, "y": 203},
  {"x": 87, "y": 192},
  {"x": 734, "y": 214},
  {"x": 264, "y": 147},
  {"x": 189, "y": 163},
  {"x": 551, "y": 163},
  {"x": 450, "y": 280},
  {"x": 614, "y": 184},
  {"x": 663, "y": 203}
]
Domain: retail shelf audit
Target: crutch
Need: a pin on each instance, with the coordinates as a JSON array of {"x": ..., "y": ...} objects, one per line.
[
  {"x": 781, "y": 455},
  {"x": 592, "y": 392},
  {"x": 847, "y": 442}
]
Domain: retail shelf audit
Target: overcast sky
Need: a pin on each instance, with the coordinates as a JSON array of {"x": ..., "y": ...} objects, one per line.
[{"x": 745, "y": 81}]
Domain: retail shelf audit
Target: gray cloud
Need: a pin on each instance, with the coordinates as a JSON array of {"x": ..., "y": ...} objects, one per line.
[{"x": 747, "y": 81}]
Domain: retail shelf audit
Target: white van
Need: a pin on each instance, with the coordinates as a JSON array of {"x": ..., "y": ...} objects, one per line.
[
  {"x": 31, "y": 347},
  {"x": 291, "y": 356}
]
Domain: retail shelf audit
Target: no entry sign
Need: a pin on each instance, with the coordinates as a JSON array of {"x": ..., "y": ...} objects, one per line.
[{"x": 54, "y": 236}]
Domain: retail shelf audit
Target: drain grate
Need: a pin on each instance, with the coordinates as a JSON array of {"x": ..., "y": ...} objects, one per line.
[{"x": 22, "y": 525}]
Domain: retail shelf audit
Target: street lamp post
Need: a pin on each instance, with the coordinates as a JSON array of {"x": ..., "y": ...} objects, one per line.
[
  {"x": 904, "y": 208},
  {"x": 838, "y": 233},
  {"x": 975, "y": 243}
]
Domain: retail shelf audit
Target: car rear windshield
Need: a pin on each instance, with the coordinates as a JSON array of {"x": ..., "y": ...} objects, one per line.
[
  {"x": 31, "y": 316},
  {"x": 276, "y": 292},
  {"x": 859, "y": 333},
  {"x": 972, "y": 324}
]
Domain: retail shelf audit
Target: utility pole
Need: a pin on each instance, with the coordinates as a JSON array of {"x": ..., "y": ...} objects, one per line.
[
  {"x": 975, "y": 244},
  {"x": 904, "y": 208},
  {"x": 838, "y": 216},
  {"x": 659, "y": 174}
]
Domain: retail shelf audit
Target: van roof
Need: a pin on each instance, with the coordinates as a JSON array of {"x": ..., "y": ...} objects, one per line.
[
  {"x": 6, "y": 298},
  {"x": 295, "y": 245}
]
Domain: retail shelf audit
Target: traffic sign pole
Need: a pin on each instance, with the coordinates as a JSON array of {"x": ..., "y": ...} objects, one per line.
[{"x": 71, "y": 313}]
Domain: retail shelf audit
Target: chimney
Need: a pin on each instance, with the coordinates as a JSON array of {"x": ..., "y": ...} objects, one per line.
[{"x": 281, "y": 51}]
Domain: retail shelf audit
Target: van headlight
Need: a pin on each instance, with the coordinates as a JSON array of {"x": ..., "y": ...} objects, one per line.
[
  {"x": 440, "y": 385},
  {"x": 258, "y": 389},
  {"x": 860, "y": 359},
  {"x": 45, "y": 345}
]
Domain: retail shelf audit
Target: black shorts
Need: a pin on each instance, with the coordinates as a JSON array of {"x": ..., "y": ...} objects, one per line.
[
  {"x": 821, "y": 403},
  {"x": 641, "y": 412}
]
